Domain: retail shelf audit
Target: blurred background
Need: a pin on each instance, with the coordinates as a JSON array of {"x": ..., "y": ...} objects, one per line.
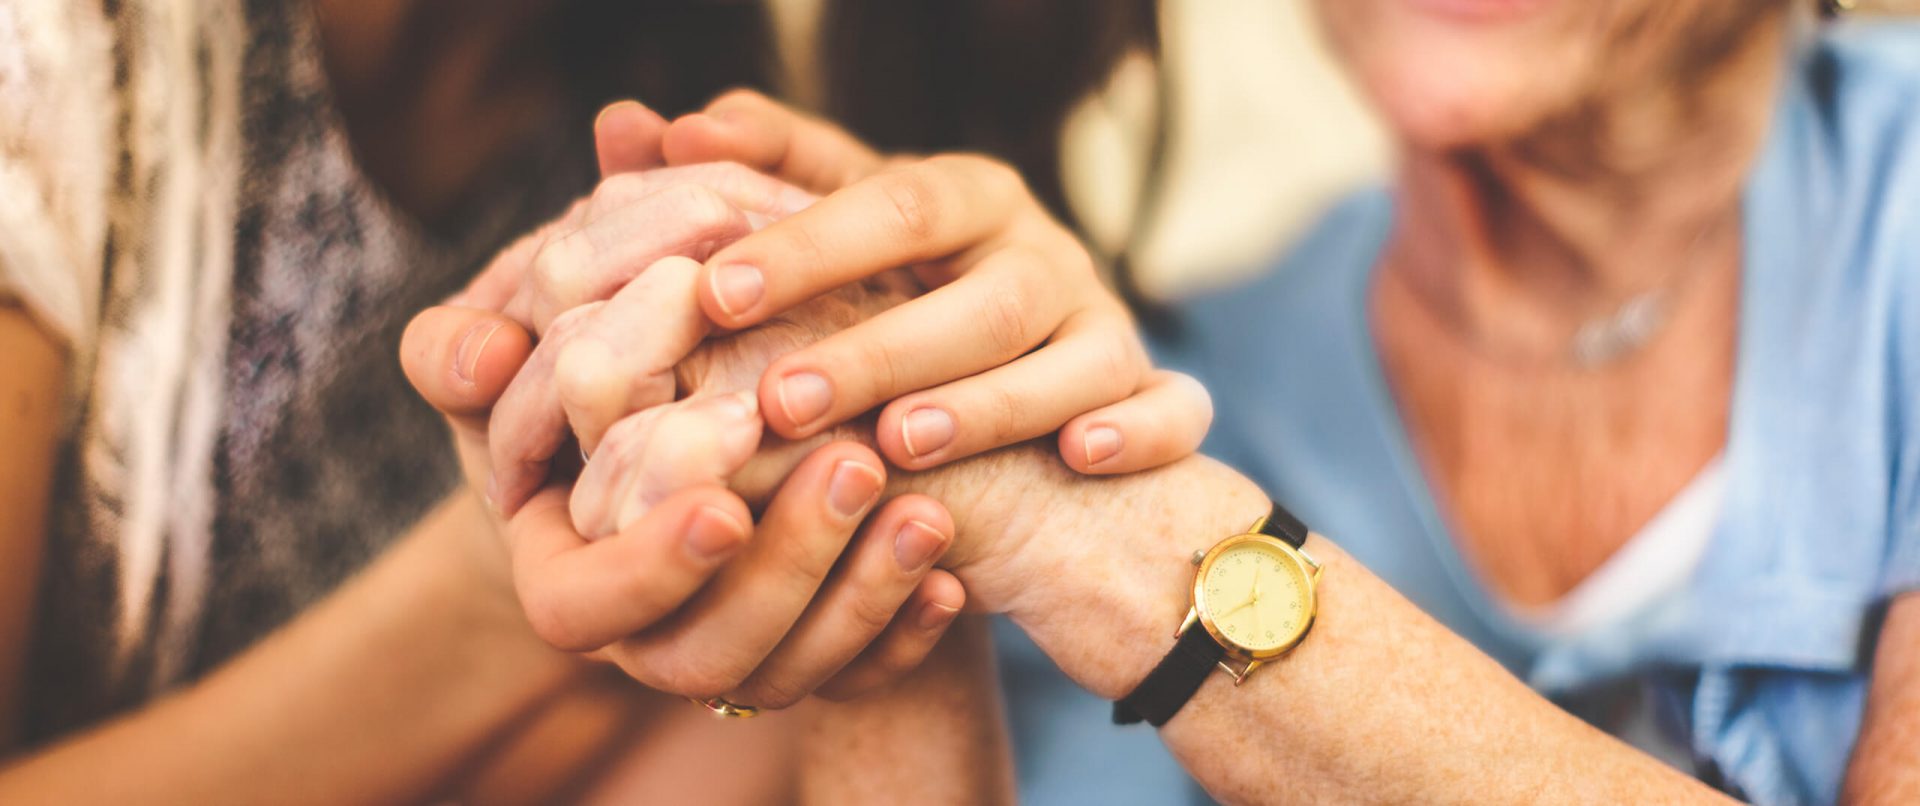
[{"x": 1265, "y": 132}]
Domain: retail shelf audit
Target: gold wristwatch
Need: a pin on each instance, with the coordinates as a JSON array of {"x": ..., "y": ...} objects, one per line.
[{"x": 1253, "y": 598}]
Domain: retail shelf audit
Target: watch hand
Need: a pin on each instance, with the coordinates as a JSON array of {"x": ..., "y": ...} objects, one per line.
[{"x": 1239, "y": 607}]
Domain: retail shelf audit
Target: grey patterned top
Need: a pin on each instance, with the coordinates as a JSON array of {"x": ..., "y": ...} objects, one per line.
[{"x": 317, "y": 453}]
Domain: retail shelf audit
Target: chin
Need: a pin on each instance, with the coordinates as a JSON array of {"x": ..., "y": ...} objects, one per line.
[
  {"x": 1452, "y": 73},
  {"x": 1436, "y": 109}
]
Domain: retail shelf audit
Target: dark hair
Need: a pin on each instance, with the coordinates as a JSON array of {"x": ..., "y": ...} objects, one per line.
[
  {"x": 675, "y": 55},
  {"x": 993, "y": 76}
]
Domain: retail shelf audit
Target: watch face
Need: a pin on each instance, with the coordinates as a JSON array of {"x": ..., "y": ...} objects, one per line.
[{"x": 1256, "y": 595}]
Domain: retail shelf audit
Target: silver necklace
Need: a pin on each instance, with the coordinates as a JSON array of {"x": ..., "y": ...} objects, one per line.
[
  {"x": 1610, "y": 337},
  {"x": 1603, "y": 339}
]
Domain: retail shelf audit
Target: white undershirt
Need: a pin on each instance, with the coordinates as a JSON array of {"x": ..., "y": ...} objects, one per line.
[{"x": 1655, "y": 561}]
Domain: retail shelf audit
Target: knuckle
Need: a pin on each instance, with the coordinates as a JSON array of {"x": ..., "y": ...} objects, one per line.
[
  {"x": 732, "y": 174},
  {"x": 557, "y": 269},
  {"x": 699, "y": 208},
  {"x": 914, "y": 200},
  {"x": 1074, "y": 262},
  {"x": 696, "y": 674},
  {"x": 806, "y": 552},
  {"x": 755, "y": 190},
  {"x": 1003, "y": 407},
  {"x": 997, "y": 178},
  {"x": 1200, "y": 400},
  {"x": 879, "y": 374},
  {"x": 575, "y": 376},
  {"x": 547, "y": 618},
  {"x": 868, "y": 616},
  {"x": 1006, "y": 320},
  {"x": 801, "y": 249},
  {"x": 547, "y": 266},
  {"x": 1003, "y": 178},
  {"x": 772, "y": 692},
  {"x": 739, "y": 98},
  {"x": 617, "y": 191},
  {"x": 1118, "y": 361}
]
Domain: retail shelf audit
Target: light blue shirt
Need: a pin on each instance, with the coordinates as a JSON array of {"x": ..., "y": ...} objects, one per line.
[{"x": 1762, "y": 660}]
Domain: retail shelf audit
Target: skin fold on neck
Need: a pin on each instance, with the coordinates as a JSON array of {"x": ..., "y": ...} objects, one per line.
[{"x": 1600, "y": 202}]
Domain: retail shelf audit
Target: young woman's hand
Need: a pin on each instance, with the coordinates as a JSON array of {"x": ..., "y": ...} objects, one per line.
[{"x": 1017, "y": 338}]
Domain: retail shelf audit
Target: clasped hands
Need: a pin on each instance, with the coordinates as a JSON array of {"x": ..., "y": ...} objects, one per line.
[{"x": 715, "y": 327}]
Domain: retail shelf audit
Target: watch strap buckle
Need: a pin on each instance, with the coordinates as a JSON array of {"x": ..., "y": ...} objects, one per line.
[{"x": 1239, "y": 675}]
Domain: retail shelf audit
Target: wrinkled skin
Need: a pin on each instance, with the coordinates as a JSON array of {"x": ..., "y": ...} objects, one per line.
[
  {"x": 611, "y": 489},
  {"x": 709, "y": 434}
]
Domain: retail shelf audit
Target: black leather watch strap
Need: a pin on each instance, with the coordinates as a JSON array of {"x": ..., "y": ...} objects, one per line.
[
  {"x": 1178, "y": 675},
  {"x": 1282, "y": 524},
  {"x": 1173, "y": 681}
]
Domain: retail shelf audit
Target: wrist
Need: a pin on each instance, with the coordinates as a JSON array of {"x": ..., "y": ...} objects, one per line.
[
  {"x": 1096, "y": 569},
  {"x": 472, "y": 578}
]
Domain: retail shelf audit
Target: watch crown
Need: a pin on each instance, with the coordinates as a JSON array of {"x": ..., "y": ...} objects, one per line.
[{"x": 1199, "y": 556}]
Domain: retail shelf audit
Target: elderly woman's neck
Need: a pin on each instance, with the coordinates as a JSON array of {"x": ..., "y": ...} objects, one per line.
[{"x": 1603, "y": 202}]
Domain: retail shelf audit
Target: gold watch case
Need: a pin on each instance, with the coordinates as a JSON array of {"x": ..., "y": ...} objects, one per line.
[{"x": 1199, "y": 613}]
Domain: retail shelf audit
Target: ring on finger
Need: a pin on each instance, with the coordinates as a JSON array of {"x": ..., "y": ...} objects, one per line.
[{"x": 726, "y": 710}]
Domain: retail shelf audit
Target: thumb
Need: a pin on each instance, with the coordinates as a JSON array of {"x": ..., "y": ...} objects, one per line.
[{"x": 461, "y": 359}]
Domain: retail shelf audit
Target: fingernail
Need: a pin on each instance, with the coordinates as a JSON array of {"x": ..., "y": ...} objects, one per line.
[
  {"x": 737, "y": 287},
  {"x": 493, "y": 492},
  {"x": 805, "y": 397},
  {"x": 925, "y": 431},
  {"x": 934, "y": 615},
  {"x": 466, "y": 360},
  {"x": 853, "y": 488},
  {"x": 917, "y": 546},
  {"x": 610, "y": 109},
  {"x": 1103, "y": 443},
  {"x": 713, "y": 533}
]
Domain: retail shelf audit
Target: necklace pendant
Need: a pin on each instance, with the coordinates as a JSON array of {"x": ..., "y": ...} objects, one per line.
[{"x": 1606, "y": 339}]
